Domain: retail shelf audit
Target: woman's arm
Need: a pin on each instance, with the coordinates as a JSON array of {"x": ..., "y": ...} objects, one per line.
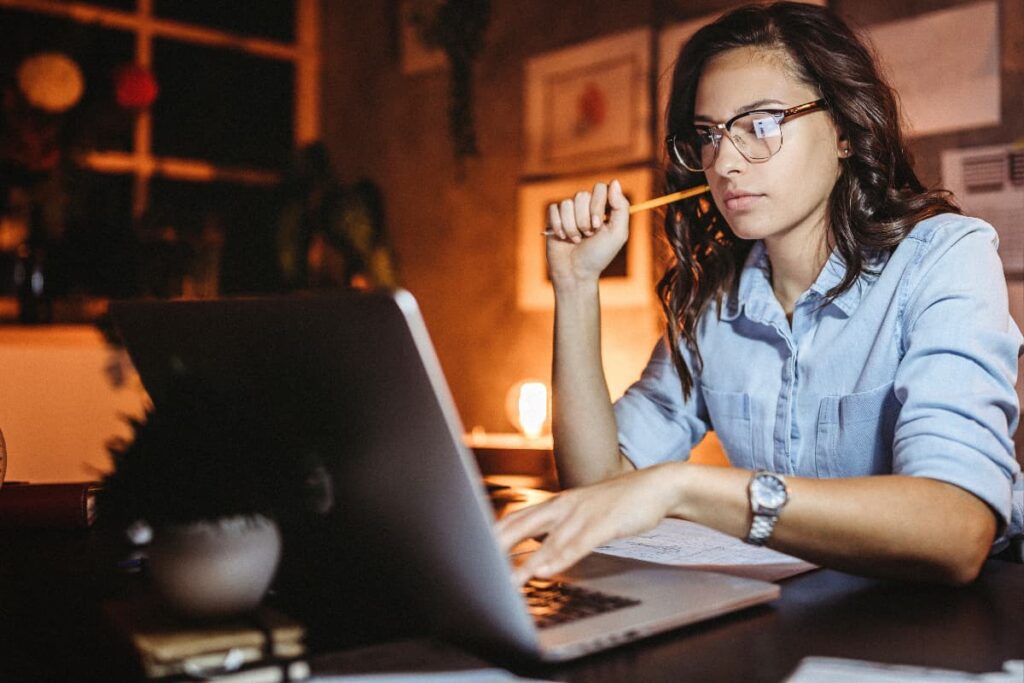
[
  {"x": 582, "y": 246},
  {"x": 893, "y": 526},
  {"x": 935, "y": 518}
]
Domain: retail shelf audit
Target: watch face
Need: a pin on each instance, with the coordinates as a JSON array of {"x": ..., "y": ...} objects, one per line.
[{"x": 769, "y": 490}]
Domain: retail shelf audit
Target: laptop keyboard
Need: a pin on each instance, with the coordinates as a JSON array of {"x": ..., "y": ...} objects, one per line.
[{"x": 553, "y": 602}]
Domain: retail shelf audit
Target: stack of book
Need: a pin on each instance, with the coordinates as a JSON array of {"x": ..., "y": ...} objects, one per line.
[
  {"x": 69, "y": 505},
  {"x": 263, "y": 647}
]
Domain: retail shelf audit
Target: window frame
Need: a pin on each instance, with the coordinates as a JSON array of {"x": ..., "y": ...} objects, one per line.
[{"x": 141, "y": 162}]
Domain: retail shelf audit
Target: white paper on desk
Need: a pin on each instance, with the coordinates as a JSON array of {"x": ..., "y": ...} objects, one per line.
[
  {"x": 685, "y": 544},
  {"x": 471, "y": 676},
  {"x": 837, "y": 670}
]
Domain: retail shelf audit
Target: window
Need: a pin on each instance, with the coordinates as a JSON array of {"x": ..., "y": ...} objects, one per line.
[{"x": 239, "y": 92}]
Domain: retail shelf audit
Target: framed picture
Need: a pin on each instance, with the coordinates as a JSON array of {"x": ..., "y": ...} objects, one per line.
[
  {"x": 417, "y": 56},
  {"x": 945, "y": 67},
  {"x": 588, "y": 106},
  {"x": 627, "y": 282}
]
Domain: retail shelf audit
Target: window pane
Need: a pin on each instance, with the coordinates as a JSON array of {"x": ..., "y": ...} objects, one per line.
[
  {"x": 222, "y": 105},
  {"x": 96, "y": 252},
  {"x": 224, "y": 231},
  {"x": 96, "y": 121},
  {"x": 120, "y": 5},
  {"x": 274, "y": 19}
]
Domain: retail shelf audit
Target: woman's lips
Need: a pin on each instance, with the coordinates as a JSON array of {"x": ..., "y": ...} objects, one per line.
[{"x": 741, "y": 202}]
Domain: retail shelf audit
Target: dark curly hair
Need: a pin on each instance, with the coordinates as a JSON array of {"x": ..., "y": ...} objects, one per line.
[{"x": 874, "y": 204}]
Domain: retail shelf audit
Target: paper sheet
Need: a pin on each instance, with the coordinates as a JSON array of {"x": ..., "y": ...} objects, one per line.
[
  {"x": 475, "y": 676},
  {"x": 685, "y": 544},
  {"x": 836, "y": 670}
]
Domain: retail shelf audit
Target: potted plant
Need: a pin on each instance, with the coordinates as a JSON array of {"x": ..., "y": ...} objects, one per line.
[{"x": 210, "y": 475}]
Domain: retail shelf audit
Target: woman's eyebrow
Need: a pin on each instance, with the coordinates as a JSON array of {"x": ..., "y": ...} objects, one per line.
[{"x": 757, "y": 104}]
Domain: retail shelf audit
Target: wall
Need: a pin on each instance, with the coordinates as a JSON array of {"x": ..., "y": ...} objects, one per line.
[
  {"x": 65, "y": 394},
  {"x": 454, "y": 233}
]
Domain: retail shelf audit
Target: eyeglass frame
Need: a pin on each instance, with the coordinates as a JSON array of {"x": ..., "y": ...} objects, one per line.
[{"x": 780, "y": 116}]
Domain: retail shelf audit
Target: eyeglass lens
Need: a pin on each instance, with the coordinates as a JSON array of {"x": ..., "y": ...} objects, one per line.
[{"x": 757, "y": 135}]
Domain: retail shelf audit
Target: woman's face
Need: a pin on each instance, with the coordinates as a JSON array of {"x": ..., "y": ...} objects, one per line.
[{"x": 783, "y": 200}]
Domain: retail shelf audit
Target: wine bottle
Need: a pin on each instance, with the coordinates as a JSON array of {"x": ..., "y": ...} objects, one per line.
[{"x": 35, "y": 305}]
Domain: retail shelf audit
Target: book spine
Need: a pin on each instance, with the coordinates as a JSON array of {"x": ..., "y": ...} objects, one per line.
[{"x": 47, "y": 506}]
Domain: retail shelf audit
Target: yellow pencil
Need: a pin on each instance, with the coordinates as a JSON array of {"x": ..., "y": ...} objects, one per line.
[
  {"x": 658, "y": 201},
  {"x": 668, "y": 199}
]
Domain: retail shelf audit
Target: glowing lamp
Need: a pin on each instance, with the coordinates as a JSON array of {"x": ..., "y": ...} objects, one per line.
[{"x": 527, "y": 407}]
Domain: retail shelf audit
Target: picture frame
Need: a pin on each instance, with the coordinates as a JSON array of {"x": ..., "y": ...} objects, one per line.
[
  {"x": 416, "y": 56},
  {"x": 945, "y": 65},
  {"x": 628, "y": 281},
  {"x": 587, "y": 107}
]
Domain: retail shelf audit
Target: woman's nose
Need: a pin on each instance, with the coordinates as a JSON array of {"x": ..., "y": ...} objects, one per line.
[{"x": 729, "y": 159}]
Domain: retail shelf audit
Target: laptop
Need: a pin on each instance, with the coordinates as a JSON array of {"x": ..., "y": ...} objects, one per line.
[{"x": 409, "y": 537}]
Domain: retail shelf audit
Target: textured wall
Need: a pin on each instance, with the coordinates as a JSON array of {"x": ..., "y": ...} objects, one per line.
[{"x": 455, "y": 236}]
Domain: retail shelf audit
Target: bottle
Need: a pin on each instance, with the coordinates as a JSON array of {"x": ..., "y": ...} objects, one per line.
[{"x": 35, "y": 305}]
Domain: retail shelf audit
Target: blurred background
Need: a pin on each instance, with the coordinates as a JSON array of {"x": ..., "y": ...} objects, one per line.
[{"x": 197, "y": 148}]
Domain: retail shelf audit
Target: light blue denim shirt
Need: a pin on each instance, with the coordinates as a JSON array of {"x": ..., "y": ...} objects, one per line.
[{"x": 910, "y": 371}]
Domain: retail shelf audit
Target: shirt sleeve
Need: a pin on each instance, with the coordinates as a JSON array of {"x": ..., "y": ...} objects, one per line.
[
  {"x": 956, "y": 379},
  {"x": 654, "y": 423}
]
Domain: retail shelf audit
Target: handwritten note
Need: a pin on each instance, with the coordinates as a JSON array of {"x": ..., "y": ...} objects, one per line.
[{"x": 685, "y": 544}]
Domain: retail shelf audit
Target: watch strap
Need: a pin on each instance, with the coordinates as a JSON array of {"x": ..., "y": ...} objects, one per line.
[{"x": 761, "y": 527}]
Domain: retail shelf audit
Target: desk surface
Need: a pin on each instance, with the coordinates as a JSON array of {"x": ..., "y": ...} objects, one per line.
[{"x": 52, "y": 583}]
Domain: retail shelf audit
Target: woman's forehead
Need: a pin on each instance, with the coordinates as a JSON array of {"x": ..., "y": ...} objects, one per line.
[{"x": 733, "y": 81}]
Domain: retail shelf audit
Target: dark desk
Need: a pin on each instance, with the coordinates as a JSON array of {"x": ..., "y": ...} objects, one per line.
[{"x": 51, "y": 585}]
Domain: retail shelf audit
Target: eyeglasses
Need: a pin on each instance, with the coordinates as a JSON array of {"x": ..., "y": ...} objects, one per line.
[{"x": 757, "y": 135}]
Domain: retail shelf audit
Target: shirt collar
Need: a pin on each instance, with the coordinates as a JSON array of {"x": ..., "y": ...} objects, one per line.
[{"x": 755, "y": 294}]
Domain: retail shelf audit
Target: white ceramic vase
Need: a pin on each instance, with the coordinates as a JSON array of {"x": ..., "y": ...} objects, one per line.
[{"x": 215, "y": 569}]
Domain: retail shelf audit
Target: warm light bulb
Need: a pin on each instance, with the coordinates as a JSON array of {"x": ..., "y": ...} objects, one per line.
[
  {"x": 533, "y": 408},
  {"x": 527, "y": 407}
]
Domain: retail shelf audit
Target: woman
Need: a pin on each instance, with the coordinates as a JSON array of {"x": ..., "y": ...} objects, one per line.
[{"x": 831, "y": 319}]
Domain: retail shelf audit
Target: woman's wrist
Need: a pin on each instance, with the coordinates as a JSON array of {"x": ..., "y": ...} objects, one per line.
[
  {"x": 675, "y": 479},
  {"x": 709, "y": 495},
  {"x": 569, "y": 286}
]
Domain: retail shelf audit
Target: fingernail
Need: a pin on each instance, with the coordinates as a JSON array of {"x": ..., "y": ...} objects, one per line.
[{"x": 596, "y": 222}]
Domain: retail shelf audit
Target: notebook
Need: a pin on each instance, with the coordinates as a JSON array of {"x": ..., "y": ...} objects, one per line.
[{"x": 409, "y": 538}]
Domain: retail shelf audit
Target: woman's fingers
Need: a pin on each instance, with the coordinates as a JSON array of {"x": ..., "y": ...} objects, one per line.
[
  {"x": 555, "y": 221},
  {"x": 568, "y": 530},
  {"x": 581, "y": 203},
  {"x": 618, "y": 216},
  {"x": 598, "y": 202},
  {"x": 582, "y": 216},
  {"x": 567, "y": 211},
  {"x": 564, "y": 546},
  {"x": 578, "y": 520},
  {"x": 526, "y": 523}
]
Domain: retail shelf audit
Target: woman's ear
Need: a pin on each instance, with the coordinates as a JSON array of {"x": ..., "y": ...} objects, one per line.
[{"x": 843, "y": 145}]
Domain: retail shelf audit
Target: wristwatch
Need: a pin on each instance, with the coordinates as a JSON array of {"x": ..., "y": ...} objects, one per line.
[{"x": 768, "y": 495}]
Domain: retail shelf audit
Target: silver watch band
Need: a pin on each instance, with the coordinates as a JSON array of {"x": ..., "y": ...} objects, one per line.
[{"x": 761, "y": 528}]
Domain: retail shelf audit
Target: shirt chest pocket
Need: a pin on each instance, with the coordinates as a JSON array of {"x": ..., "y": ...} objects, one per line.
[
  {"x": 855, "y": 433},
  {"x": 730, "y": 418}
]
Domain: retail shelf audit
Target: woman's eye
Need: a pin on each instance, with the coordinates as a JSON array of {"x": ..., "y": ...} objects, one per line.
[{"x": 705, "y": 136}]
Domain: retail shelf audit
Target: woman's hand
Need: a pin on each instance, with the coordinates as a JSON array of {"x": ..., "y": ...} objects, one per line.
[
  {"x": 578, "y": 520},
  {"x": 583, "y": 243}
]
